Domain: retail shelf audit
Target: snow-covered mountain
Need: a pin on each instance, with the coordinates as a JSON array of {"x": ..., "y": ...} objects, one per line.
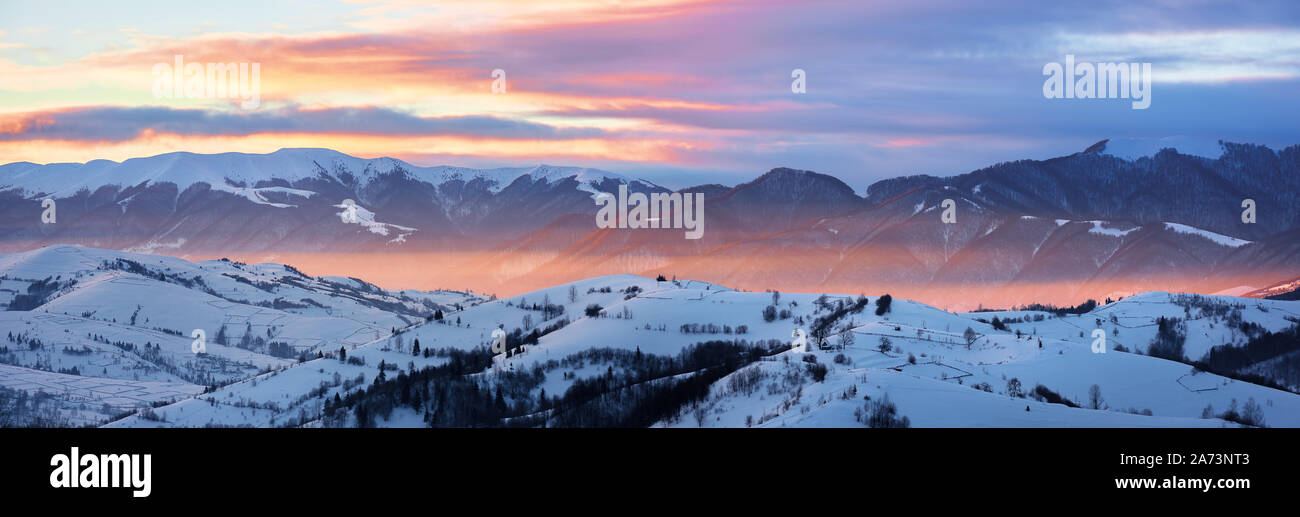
[
  {"x": 235, "y": 170},
  {"x": 292, "y": 200},
  {"x": 611, "y": 350},
  {"x": 1087, "y": 225}
]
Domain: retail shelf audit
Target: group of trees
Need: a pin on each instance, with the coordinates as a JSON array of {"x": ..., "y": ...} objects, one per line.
[
  {"x": 817, "y": 370},
  {"x": 645, "y": 389},
  {"x": 1251, "y": 414},
  {"x": 1082, "y": 308},
  {"x": 455, "y": 397},
  {"x": 1275, "y": 351},
  {"x": 1044, "y": 394},
  {"x": 280, "y": 349},
  {"x": 33, "y": 343},
  {"x": 884, "y": 304},
  {"x": 823, "y": 326},
  {"x": 517, "y": 338},
  {"x": 712, "y": 328},
  {"x": 772, "y": 312},
  {"x": 882, "y": 413},
  {"x": 18, "y": 408},
  {"x": 1263, "y": 347},
  {"x": 549, "y": 310},
  {"x": 37, "y": 293},
  {"x": 654, "y": 388},
  {"x": 1041, "y": 393},
  {"x": 1171, "y": 334}
]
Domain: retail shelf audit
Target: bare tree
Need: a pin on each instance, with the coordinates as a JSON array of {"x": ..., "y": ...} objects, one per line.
[
  {"x": 970, "y": 336},
  {"x": 1252, "y": 414},
  {"x": 1014, "y": 388},
  {"x": 1094, "y": 397},
  {"x": 846, "y": 339}
]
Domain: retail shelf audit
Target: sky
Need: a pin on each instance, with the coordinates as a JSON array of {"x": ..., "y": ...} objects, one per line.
[{"x": 679, "y": 92}]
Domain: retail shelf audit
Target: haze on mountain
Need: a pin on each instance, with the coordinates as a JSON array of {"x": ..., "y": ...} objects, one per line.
[{"x": 1062, "y": 230}]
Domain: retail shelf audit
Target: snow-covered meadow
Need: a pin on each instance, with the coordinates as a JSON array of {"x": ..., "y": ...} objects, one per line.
[{"x": 124, "y": 324}]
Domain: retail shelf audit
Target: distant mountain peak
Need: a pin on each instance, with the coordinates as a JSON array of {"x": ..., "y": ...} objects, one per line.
[
  {"x": 799, "y": 194},
  {"x": 1097, "y": 148},
  {"x": 781, "y": 174},
  {"x": 783, "y": 171}
]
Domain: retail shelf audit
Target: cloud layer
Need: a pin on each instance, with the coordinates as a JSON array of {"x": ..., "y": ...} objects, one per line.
[{"x": 692, "y": 91}]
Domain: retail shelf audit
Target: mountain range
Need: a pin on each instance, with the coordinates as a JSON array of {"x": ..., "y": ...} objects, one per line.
[{"x": 1086, "y": 225}]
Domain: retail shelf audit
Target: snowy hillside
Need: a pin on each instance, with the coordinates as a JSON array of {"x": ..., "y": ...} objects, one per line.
[
  {"x": 615, "y": 350},
  {"x": 87, "y": 325},
  {"x": 1131, "y": 322}
]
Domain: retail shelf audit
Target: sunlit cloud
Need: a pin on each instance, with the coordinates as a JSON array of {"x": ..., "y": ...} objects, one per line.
[
  {"x": 907, "y": 142},
  {"x": 107, "y": 124},
  {"x": 671, "y": 85},
  {"x": 482, "y": 15}
]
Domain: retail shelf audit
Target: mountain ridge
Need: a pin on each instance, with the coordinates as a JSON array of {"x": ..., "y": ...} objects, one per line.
[{"x": 509, "y": 229}]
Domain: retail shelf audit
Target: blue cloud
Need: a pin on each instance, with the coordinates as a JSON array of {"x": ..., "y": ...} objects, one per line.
[{"x": 126, "y": 123}]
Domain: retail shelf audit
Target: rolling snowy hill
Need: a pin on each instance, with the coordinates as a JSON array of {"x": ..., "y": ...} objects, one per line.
[
  {"x": 87, "y": 326},
  {"x": 103, "y": 337}
]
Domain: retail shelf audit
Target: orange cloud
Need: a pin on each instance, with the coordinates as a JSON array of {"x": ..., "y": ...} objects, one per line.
[
  {"x": 512, "y": 15},
  {"x": 908, "y": 142}
]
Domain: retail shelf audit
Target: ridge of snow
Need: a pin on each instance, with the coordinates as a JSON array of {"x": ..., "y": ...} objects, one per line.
[
  {"x": 255, "y": 194},
  {"x": 1220, "y": 239},
  {"x": 1113, "y": 232},
  {"x": 366, "y": 219}
]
